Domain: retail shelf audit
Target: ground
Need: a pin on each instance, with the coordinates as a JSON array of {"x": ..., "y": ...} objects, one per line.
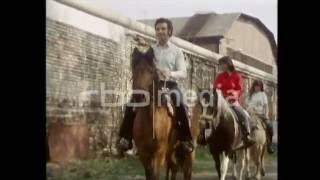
[{"x": 131, "y": 168}]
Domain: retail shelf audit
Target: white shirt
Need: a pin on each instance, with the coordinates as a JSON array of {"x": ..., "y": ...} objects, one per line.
[
  {"x": 170, "y": 57},
  {"x": 258, "y": 103}
]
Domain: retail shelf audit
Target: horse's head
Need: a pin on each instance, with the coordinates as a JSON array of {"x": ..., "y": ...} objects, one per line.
[
  {"x": 143, "y": 69},
  {"x": 213, "y": 104},
  {"x": 209, "y": 100}
]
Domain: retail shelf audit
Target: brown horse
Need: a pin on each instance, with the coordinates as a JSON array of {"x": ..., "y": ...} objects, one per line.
[
  {"x": 177, "y": 158},
  {"x": 154, "y": 130},
  {"x": 225, "y": 141}
]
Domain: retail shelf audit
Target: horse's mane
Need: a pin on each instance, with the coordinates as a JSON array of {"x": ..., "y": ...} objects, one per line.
[{"x": 223, "y": 109}]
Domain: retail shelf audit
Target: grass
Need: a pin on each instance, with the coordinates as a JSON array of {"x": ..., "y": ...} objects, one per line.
[
  {"x": 120, "y": 168},
  {"x": 273, "y": 156},
  {"x": 204, "y": 161},
  {"x": 96, "y": 169}
]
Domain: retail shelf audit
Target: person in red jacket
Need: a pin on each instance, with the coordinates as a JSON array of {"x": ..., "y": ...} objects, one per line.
[{"x": 230, "y": 82}]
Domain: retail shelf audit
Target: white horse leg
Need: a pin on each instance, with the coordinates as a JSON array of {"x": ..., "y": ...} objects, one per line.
[
  {"x": 224, "y": 165},
  {"x": 247, "y": 160},
  {"x": 258, "y": 174},
  {"x": 242, "y": 163},
  {"x": 262, "y": 161},
  {"x": 234, "y": 174},
  {"x": 258, "y": 163}
]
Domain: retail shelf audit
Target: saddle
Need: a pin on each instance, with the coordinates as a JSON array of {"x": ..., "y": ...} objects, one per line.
[
  {"x": 253, "y": 124},
  {"x": 167, "y": 101},
  {"x": 261, "y": 119}
]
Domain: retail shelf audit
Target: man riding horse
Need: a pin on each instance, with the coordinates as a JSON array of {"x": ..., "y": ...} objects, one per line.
[
  {"x": 230, "y": 83},
  {"x": 171, "y": 66}
]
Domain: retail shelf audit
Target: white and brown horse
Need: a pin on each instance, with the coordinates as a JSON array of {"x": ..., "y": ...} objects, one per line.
[{"x": 225, "y": 141}]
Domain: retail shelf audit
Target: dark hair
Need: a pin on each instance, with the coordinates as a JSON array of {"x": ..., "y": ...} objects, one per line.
[
  {"x": 228, "y": 61},
  {"x": 167, "y": 21},
  {"x": 255, "y": 83}
]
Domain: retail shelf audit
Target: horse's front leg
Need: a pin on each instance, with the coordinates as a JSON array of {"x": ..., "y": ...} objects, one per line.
[
  {"x": 247, "y": 163},
  {"x": 234, "y": 165},
  {"x": 242, "y": 161},
  {"x": 157, "y": 162},
  {"x": 224, "y": 165},
  {"x": 262, "y": 161},
  {"x": 174, "y": 173},
  {"x": 259, "y": 162},
  {"x": 187, "y": 166},
  {"x": 167, "y": 172},
  {"x": 171, "y": 169},
  {"x": 238, "y": 160},
  {"x": 216, "y": 159},
  {"x": 146, "y": 162}
]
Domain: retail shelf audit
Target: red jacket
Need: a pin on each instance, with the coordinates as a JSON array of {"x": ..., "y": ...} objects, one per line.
[{"x": 230, "y": 85}]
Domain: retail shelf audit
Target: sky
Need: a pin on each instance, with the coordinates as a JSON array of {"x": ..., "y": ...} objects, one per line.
[{"x": 265, "y": 10}]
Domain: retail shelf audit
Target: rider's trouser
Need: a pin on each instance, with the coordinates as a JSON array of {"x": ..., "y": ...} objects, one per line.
[
  {"x": 269, "y": 128},
  {"x": 181, "y": 114},
  {"x": 243, "y": 118}
]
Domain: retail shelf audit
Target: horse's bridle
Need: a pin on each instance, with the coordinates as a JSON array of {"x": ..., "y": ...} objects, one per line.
[{"x": 211, "y": 117}]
